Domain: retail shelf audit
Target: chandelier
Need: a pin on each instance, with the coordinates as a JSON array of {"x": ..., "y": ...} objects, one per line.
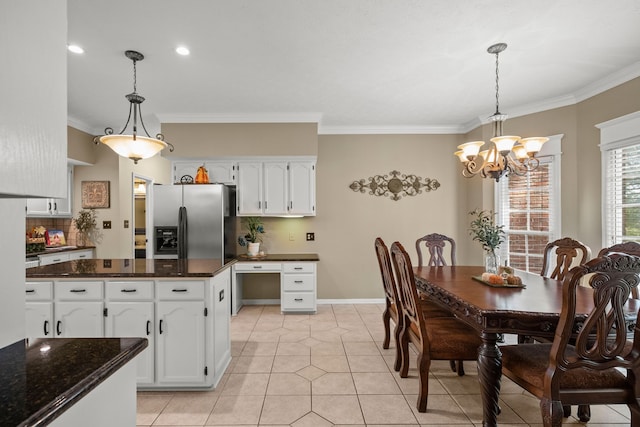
[
  {"x": 508, "y": 154},
  {"x": 134, "y": 146}
]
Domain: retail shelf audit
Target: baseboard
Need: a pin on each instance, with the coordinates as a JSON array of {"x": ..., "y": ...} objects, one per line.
[{"x": 319, "y": 302}]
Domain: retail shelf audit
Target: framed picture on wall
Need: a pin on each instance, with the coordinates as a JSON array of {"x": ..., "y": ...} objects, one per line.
[{"x": 95, "y": 195}]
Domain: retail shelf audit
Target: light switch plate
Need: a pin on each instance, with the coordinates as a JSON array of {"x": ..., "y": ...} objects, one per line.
[
  {"x": 106, "y": 225},
  {"x": 311, "y": 237}
]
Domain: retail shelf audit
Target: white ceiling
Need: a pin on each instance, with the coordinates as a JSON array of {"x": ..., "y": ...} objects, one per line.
[{"x": 352, "y": 65}]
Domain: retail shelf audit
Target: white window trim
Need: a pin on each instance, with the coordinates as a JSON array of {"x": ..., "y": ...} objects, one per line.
[
  {"x": 552, "y": 148},
  {"x": 617, "y": 133}
]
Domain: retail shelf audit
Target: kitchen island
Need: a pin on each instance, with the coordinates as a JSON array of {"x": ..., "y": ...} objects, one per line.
[
  {"x": 69, "y": 382},
  {"x": 181, "y": 306}
]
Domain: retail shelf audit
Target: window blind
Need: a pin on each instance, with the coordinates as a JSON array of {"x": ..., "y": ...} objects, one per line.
[
  {"x": 527, "y": 207},
  {"x": 622, "y": 194}
]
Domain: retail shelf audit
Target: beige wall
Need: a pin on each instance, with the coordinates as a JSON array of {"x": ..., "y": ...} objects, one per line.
[
  {"x": 80, "y": 146},
  {"x": 206, "y": 140}
]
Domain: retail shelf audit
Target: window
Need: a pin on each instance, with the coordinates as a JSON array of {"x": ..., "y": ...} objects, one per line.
[
  {"x": 529, "y": 208},
  {"x": 620, "y": 145}
]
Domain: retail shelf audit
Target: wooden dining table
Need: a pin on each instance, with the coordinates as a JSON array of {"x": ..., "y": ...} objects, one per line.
[{"x": 533, "y": 310}]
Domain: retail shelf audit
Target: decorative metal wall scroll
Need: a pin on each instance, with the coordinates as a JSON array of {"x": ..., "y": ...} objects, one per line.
[{"x": 395, "y": 185}]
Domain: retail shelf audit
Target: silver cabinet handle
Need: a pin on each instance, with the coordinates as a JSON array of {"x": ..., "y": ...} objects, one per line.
[
  {"x": 297, "y": 268},
  {"x": 128, "y": 290},
  {"x": 78, "y": 291},
  {"x": 257, "y": 266},
  {"x": 298, "y": 281},
  {"x": 298, "y": 299},
  {"x": 179, "y": 290}
]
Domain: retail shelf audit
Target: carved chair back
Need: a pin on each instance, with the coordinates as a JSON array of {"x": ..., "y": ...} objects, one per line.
[
  {"x": 568, "y": 253},
  {"x": 628, "y": 248},
  {"x": 436, "y": 243},
  {"x": 386, "y": 272},
  {"x": 408, "y": 293}
]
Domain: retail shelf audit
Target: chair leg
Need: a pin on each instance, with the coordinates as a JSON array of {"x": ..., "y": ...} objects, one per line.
[
  {"x": 635, "y": 413},
  {"x": 584, "y": 413},
  {"x": 452, "y": 364},
  {"x": 424, "y": 363},
  {"x": 404, "y": 352},
  {"x": 386, "y": 317},
  {"x": 552, "y": 412},
  {"x": 398, "y": 363},
  {"x": 566, "y": 411},
  {"x": 460, "y": 368}
]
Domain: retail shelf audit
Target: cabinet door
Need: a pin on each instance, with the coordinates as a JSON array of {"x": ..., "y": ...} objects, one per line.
[
  {"x": 249, "y": 188},
  {"x": 221, "y": 308},
  {"x": 134, "y": 319},
  {"x": 181, "y": 169},
  {"x": 180, "y": 342},
  {"x": 79, "y": 319},
  {"x": 39, "y": 319},
  {"x": 39, "y": 207},
  {"x": 222, "y": 172},
  {"x": 62, "y": 207},
  {"x": 302, "y": 188},
  {"x": 275, "y": 188}
]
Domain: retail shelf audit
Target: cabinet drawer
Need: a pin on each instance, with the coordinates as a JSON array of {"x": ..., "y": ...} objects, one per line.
[
  {"x": 72, "y": 291},
  {"x": 129, "y": 291},
  {"x": 54, "y": 258},
  {"x": 299, "y": 267},
  {"x": 39, "y": 291},
  {"x": 258, "y": 266},
  {"x": 181, "y": 290},
  {"x": 298, "y": 282},
  {"x": 298, "y": 301},
  {"x": 88, "y": 254}
]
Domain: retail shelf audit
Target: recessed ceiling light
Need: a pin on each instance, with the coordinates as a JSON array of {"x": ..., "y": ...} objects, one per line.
[
  {"x": 181, "y": 50},
  {"x": 75, "y": 48}
]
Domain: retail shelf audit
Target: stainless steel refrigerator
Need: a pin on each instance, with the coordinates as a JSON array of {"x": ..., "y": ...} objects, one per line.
[{"x": 194, "y": 221}]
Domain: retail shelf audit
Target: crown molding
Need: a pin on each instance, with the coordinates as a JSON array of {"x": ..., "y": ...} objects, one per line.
[
  {"x": 388, "y": 130},
  {"x": 241, "y": 118},
  {"x": 82, "y": 126},
  {"x": 612, "y": 80}
]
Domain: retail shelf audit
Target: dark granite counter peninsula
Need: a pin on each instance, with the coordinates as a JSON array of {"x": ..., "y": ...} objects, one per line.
[
  {"x": 43, "y": 379},
  {"x": 129, "y": 268}
]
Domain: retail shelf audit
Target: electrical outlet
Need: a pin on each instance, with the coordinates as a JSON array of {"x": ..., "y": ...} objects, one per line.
[
  {"x": 106, "y": 225},
  {"x": 106, "y": 263},
  {"x": 291, "y": 237},
  {"x": 126, "y": 223},
  {"x": 311, "y": 237}
]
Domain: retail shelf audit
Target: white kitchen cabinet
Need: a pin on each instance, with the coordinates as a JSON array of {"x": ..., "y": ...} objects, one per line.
[
  {"x": 130, "y": 313},
  {"x": 79, "y": 309},
  {"x": 276, "y": 188},
  {"x": 39, "y": 319},
  {"x": 81, "y": 254},
  {"x": 221, "y": 315},
  {"x": 219, "y": 171},
  {"x": 180, "y": 342},
  {"x": 53, "y": 207},
  {"x": 134, "y": 319},
  {"x": 54, "y": 258},
  {"x": 275, "y": 192},
  {"x": 302, "y": 188},
  {"x": 249, "y": 194},
  {"x": 298, "y": 287}
]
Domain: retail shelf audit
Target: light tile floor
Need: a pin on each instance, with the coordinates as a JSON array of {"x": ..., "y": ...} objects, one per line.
[{"x": 329, "y": 369}]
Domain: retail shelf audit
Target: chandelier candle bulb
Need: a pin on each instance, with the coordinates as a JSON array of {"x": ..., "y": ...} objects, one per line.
[
  {"x": 534, "y": 144},
  {"x": 504, "y": 144}
]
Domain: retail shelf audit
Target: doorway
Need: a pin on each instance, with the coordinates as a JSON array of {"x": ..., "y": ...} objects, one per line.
[{"x": 141, "y": 216}]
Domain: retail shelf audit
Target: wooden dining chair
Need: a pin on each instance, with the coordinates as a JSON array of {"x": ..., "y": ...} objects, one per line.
[
  {"x": 435, "y": 338},
  {"x": 629, "y": 248},
  {"x": 436, "y": 243},
  {"x": 568, "y": 253},
  {"x": 602, "y": 367},
  {"x": 393, "y": 308}
]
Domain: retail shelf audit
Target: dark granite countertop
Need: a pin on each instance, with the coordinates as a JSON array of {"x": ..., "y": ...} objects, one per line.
[
  {"x": 129, "y": 268},
  {"x": 41, "y": 380},
  {"x": 280, "y": 258}
]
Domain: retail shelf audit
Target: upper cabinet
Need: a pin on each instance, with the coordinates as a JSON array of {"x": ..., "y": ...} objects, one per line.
[
  {"x": 276, "y": 188},
  {"x": 220, "y": 171},
  {"x": 53, "y": 207}
]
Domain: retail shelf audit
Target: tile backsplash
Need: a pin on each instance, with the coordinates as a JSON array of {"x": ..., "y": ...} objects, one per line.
[{"x": 64, "y": 224}]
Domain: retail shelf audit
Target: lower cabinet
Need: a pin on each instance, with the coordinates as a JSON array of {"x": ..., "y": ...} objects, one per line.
[
  {"x": 181, "y": 327},
  {"x": 298, "y": 287},
  {"x": 185, "y": 321}
]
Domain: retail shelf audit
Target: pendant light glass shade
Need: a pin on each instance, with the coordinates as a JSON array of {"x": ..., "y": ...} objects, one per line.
[{"x": 135, "y": 148}]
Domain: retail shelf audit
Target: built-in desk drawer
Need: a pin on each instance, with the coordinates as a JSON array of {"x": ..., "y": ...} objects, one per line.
[
  {"x": 298, "y": 301},
  {"x": 181, "y": 290},
  {"x": 258, "y": 267},
  {"x": 128, "y": 291},
  {"x": 299, "y": 267},
  {"x": 298, "y": 282}
]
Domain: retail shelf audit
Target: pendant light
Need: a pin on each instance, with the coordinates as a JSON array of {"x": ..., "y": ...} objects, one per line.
[{"x": 133, "y": 146}]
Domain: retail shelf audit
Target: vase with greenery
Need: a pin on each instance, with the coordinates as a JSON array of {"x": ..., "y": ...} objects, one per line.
[
  {"x": 252, "y": 238},
  {"x": 86, "y": 223},
  {"x": 485, "y": 230}
]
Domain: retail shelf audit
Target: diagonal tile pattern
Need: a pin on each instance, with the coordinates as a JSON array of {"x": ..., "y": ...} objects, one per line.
[{"x": 330, "y": 370}]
